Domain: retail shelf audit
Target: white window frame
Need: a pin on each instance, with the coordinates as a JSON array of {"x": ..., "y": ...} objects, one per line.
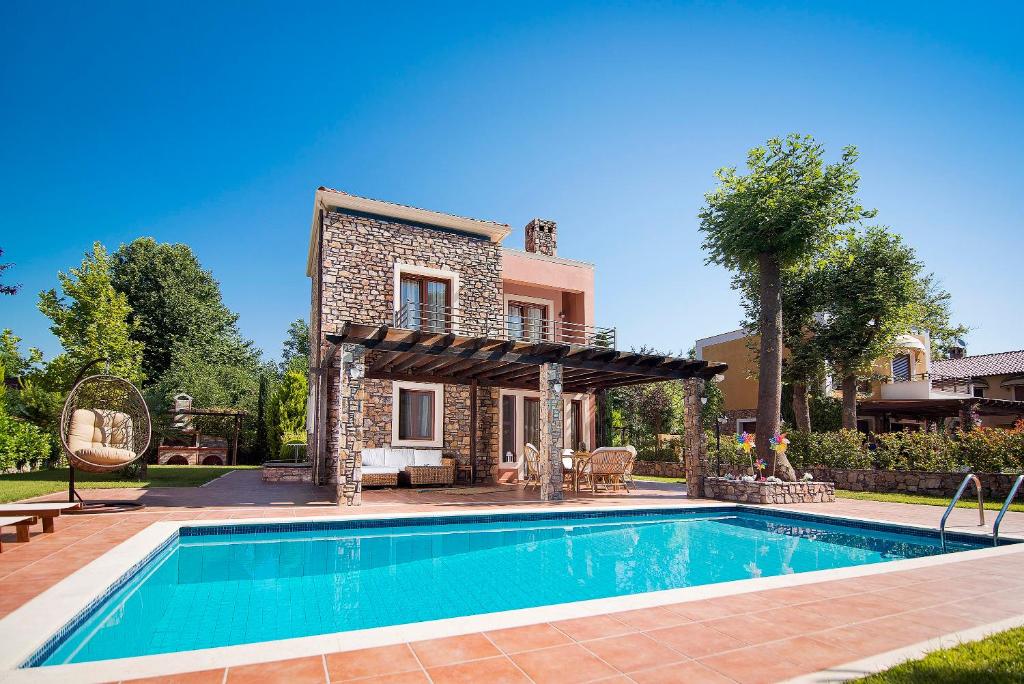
[
  {"x": 549, "y": 303},
  {"x": 438, "y": 390},
  {"x": 740, "y": 422},
  {"x": 440, "y": 273},
  {"x": 520, "y": 424}
]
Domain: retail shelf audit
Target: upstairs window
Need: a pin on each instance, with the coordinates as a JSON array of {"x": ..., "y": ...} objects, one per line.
[
  {"x": 901, "y": 368},
  {"x": 425, "y": 303}
]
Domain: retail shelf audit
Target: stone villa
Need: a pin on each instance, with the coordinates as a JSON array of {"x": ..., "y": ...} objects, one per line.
[{"x": 428, "y": 332}]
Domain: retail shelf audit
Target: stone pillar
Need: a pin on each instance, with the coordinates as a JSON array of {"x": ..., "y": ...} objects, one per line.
[
  {"x": 695, "y": 448},
  {"x": 969, "y": 418},
  {"x": 551, "y": 432},
  {"x": 351, "y": 397}
]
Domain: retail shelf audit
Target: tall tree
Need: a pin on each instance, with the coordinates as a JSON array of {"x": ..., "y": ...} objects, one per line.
[
  {"x": 287, "y": 412},
  {"x": 874, "y": 291},
  {"x": 4, "y": 288},
  {"x": 91, "y": 320},
  {"x": 789, "y": 205},
  {"x": 177, "y": 307},
  {"x": 295, "y": 351},
  {"x": 803, "y": 369}
]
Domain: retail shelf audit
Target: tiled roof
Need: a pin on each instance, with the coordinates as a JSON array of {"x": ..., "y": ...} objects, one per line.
[
  {"x": 983, "y": 364},
  {"x": 409, "y": 206}
]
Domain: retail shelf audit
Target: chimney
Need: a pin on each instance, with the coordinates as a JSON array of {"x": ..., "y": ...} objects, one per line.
[
  {"x": 957, "y": 352},
  {"x": 542, "y": 237}
]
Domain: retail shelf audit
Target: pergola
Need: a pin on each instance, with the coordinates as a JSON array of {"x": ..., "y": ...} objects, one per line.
[
  {"x": 493, "y": 362},
  {"x": 937, "y": 409}
]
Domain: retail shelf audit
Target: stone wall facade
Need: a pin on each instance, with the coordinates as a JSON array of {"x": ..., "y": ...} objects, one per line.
[
  {"x": 768, "y": 492},
  {"x": 357, "y": 258},
  {"x": 729, "y": 428},
  {"x": 994, "y": 486}
]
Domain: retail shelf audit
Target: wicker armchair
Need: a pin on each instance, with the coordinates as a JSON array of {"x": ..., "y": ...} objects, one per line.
[
  {"x": 532, "y": 458},
  {"x": 443, "y": 474},
  {"x": 612, "y": 466}
]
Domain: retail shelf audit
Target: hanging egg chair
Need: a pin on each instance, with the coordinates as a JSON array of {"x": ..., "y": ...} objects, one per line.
[{"x": 105, "y": 426}]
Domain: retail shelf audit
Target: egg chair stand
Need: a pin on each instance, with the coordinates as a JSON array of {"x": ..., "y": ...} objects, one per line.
[{"x": 105, "y": 426}]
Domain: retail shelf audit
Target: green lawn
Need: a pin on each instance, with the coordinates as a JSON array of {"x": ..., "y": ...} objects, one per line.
[
  {"x": 26, "y": 485},
  {"x": 968, "y": 500},
  {"x": 655, "y": 478},
  {"x": 999, "y": 659}
]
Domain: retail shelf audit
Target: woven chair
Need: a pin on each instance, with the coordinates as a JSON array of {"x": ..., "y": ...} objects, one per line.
[
  {"x": 612, "y": 466},
  {"x": 532, "y": 458}
]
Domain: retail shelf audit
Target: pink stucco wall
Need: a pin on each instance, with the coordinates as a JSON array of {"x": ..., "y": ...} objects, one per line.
[{"x": 548, "y": 278}]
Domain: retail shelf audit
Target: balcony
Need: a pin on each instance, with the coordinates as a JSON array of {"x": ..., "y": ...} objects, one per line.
[
  {"x": 926, "y": 386},
  {"x": 445, "y": 319}
]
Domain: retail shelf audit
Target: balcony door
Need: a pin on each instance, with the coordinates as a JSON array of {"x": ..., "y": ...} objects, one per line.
[
  {"x": 527, "y": 321},
  {"x": 425, "y": 304}
]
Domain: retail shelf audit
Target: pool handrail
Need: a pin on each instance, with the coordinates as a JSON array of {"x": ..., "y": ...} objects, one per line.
[
  {"x": 952, "y": 504},
  {"x": 1002, "y": 511}
]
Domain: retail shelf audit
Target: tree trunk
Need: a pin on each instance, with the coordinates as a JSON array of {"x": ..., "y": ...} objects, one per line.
[
  {"x": 850, "y": 402},
  {"x": 769, "y": 384},
  {"x": 801, "y": 408}
]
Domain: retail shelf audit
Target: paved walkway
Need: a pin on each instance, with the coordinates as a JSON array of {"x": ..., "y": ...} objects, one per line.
[{"x": 764, "y": 636}]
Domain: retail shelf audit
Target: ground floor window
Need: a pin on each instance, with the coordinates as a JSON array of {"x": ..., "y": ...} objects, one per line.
[
  {"x": 531, "y": 420},
  {"x": 416, "y": 414},
  {"x": 576, "y": 425},
  {"x": 509, "y": 448},
  {"x": 746, "y": 425}
]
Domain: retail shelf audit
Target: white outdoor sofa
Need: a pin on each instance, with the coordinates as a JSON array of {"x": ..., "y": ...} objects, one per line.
[{"x": 386, "y": 466}]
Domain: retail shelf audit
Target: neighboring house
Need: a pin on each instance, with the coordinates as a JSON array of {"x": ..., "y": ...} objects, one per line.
[
  {"x": 415, "y": 312},
  {"x": 997, "y": 376},
  {"x": 905, "y": 392}
]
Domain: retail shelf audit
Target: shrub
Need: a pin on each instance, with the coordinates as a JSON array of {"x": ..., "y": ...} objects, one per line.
[
  {"x": 839, "y": 449},
  {"x": 21, "y": 443}
]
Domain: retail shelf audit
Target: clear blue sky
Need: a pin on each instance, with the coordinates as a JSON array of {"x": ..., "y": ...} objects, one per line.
[{"x": 213, "y": 124}]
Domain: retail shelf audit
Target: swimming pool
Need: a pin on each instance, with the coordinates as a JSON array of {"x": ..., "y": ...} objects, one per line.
[{"x": 210, "y": 586}]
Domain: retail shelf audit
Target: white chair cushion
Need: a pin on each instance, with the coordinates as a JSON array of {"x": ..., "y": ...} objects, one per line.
[
  {"x": 427, "y": 457},
  {"x": 373, "y": 457},
  {"x": 399, "y": 458},
  {"x": 380, "y": 470},
  {"x": 101, "y": 455}
]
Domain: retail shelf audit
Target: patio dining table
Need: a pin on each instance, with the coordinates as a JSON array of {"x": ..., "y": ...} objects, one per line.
[{"x": 576, "y": 463}]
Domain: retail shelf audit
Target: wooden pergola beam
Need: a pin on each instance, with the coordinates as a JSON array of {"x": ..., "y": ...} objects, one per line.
[{"x": 482, "y": 358}]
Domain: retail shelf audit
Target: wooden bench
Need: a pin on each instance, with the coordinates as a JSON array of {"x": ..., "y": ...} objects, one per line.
[
  {"x": 47, "y": 511},
  {"x": 22, "y": 522}
]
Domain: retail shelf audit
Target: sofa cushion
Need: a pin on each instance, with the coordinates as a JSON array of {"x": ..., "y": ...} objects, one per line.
[
  {"x": 373, "y": 457},
  {"x": 427, "y": 457},
  {"x": 398, "y": 458},
  {"x": 380, "y": 470}
]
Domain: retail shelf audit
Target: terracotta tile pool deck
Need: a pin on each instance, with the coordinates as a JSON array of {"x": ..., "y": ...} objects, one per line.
[{"x": 764, "y": 636}]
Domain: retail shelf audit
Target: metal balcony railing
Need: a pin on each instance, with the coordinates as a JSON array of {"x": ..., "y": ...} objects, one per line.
[{"x": 445, "y": 319}]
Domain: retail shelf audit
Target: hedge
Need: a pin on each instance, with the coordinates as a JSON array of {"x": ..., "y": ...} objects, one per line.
[{"x": 985, "y": 450}]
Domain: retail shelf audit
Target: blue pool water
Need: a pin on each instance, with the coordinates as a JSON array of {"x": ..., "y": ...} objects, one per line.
[{"x": 244, "y": 584}]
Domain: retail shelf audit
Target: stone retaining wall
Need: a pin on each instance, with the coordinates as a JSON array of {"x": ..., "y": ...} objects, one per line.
[
  {"x": 994, "y": 486},
  {"x": 659, "y": 468},
  {"x": 768, "y": 492},
  {"x": 300, "y": 472}
]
